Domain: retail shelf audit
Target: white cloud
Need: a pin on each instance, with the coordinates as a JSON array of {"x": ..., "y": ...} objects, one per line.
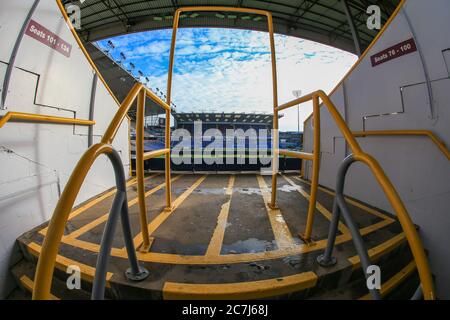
[{"x": 230, "y": 70}]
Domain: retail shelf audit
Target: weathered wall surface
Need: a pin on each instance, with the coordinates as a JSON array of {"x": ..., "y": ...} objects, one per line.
[
  {"x": 395, "y": 96},
  {"x": 36, "y": 160}
]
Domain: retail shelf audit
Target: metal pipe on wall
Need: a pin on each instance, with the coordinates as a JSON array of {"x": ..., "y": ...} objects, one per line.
[
  {"x": 92, "y": 109},
  {"x": 12, "y": 59},
  {"x": 353, "y": 29}
]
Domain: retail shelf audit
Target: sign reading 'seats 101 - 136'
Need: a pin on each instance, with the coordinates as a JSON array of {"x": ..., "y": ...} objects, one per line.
[
  {"x": 42, "y": 34},
  {"x": 394, "y": 52}
]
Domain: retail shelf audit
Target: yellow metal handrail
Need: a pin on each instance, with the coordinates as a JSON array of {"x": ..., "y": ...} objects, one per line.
[
  {"x": 155, "y": 154},
  {"x": 273, "y": 64},
  {"x": 388, "y": 189},
  {"x": 427, "y": 133},
  {"x": 47, "y": 258},
  {"x": 296, "y": 154},
  {"x": 46, "y": 262},
  {"x": 42, "y": 118}
]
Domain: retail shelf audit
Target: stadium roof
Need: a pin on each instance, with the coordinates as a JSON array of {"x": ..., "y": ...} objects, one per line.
[
  {"x": 324, "y": 21},
  {"x": 224, "y": 118}
]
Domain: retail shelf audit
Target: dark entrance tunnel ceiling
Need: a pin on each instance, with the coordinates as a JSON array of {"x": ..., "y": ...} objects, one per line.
[{"x": 323, "y": 21}]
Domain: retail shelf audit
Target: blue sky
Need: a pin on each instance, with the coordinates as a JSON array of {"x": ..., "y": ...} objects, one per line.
[{"x": 229, "y": 70}]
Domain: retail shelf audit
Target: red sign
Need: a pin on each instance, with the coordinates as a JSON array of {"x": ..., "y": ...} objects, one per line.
[
  {"x": 394, "y": 52},
  {"x": 42, "y": 34}
]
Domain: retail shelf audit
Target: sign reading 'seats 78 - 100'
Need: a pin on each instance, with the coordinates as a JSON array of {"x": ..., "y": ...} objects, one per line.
[{"x": 394, "y": 52}]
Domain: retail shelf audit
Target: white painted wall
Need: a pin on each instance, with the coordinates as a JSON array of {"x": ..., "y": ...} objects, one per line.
[
  {"x": 417, "y": 169},
  {"x": 34, "y": 157}
]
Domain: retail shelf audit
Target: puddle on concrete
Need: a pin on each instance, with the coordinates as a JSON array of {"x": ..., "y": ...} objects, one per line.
[
  {"x": 251, "y": 245},
  {"x": 248, "y": 191},
  {"x": 296, "y": 262},
  {"x": 211, "y": 191},
  {"x": 287, "y": 188}
]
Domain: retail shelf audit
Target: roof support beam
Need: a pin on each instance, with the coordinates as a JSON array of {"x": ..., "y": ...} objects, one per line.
[{"x": 352, "y": 26}]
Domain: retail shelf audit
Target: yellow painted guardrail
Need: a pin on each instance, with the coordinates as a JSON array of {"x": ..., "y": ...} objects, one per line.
[
  {"x": 388, "y": 189},
  {"x": 46, "y": 262},
  {"x": 427, "y": 133},
  {"x": 41, "y": 118},
  {"x": 314, "y": 157},
  {"x": 269, "y": 17}
]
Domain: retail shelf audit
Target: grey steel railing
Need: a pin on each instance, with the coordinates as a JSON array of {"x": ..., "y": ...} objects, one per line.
[
  {"x": 340, "y": 208},
  {"x": 119, "y": 207}
]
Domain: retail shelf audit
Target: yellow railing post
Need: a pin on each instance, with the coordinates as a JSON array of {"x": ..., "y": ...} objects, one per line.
[
  {"x": 275, "y": 135},
  {"x": 315, "y": 174},
  {"x": 176, "y": 21},
  {"x": 145, "y": 247},
  {"x": 42, "y": 118},
  {"x": 302, "y": 169},
  {"x": 167, "y": 162}
]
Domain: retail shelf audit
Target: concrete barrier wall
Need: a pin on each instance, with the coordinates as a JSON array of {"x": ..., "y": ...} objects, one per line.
[
  {"x": 395, "y": 96},
  {"x": 36, "y": 160}
]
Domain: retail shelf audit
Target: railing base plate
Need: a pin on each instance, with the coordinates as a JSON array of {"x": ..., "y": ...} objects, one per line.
[
  {"x": 146, "y": 248},
  {"x": 308, "y": 241},
  {"x": 142, "y": 275},
  {"x": 273, "y": 207},
  {"x": 326, "y": 263}
]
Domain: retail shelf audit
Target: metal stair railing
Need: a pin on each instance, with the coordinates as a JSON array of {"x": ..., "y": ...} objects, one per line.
[
  {"x": 358, "y": 156},
  {"x": 46, "y": 262},
  {"x": 47, "y": 258},
  {"x": 119, "y": 207},
  {"x": 340, "y": 208}
]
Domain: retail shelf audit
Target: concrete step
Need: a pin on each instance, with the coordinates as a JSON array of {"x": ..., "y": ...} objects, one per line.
[
  {"x": 256, "y": 255},
  {"x": 23, "y": 273},
  {"x": 337, "y": 283}
]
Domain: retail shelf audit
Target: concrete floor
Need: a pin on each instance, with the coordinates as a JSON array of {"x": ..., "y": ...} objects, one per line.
[{"x": 221, "y": 232}]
